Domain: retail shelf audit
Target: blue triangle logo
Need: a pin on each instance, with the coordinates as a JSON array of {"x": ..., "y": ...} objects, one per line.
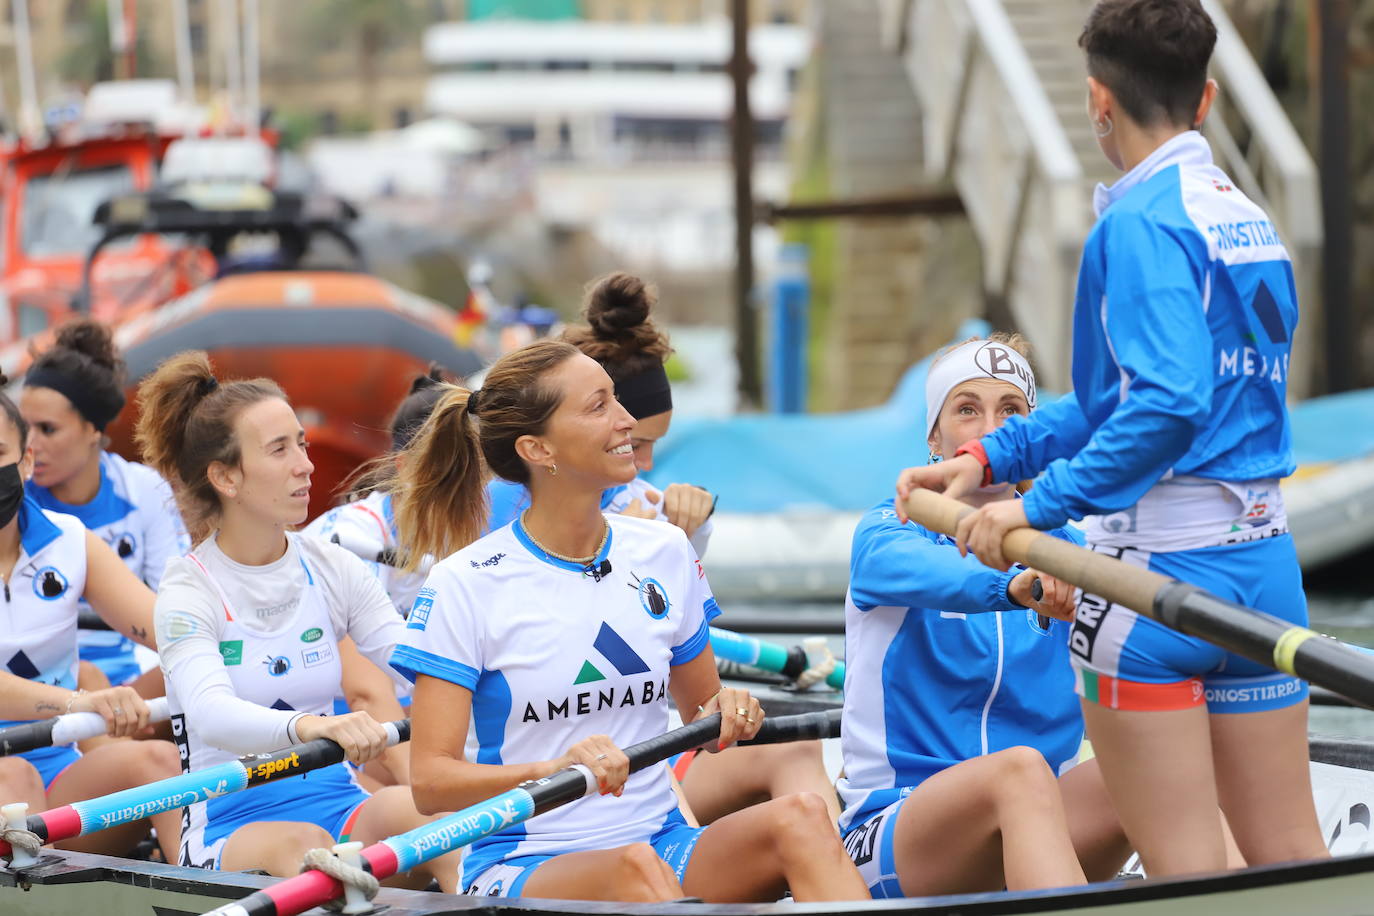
[{"x": 284, "y": 706}]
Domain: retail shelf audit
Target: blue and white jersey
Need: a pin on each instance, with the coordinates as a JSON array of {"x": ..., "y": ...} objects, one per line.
[
  {"x": 941, "y": 666},
  {"x": 1183, "y": 321},
  {"x": 39, "y": 612},
  {"x": 509, "y": 499},
  {"x": 553, "y": 655},
  {"x": 370, "y": 521},
  {"x": 135, "y": 513}
]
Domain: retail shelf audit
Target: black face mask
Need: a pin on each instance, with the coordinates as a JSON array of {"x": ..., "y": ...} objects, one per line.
[{"x": 11, "y": 492}]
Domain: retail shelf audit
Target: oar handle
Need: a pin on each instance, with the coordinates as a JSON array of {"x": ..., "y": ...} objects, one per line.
[
  {"x": 1251, "y": 634},
  {"x": 65, "y": 729},
  {"x": 93, "y": 815},
  {"x": 767, "y": 656},
  {"x": 403, "y": 852}
]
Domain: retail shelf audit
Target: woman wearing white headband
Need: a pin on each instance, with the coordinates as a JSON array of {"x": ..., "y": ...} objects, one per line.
[{"x": 951, "y": 753}]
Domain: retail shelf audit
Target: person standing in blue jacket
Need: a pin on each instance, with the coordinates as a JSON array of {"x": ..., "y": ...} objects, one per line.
[
  {"x": 1172, "y": 446},
  {"x": 959, "y": 708}
]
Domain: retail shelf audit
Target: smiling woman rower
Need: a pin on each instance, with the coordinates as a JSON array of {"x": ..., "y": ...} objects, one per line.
[
  {"x": 73, "y": 391},
  {"x": 560, "y": 638},
  {"x": 50, "y": 562},
  {"x": 621, "y": 336},
  {"x": 249, "y": 622},
  {"x": 1176, "y": 454},
  {"x": 949, "y": 661}
]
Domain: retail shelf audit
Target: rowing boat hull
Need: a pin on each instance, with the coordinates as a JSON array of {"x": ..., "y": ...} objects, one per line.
[{"x": 81, "y": 884}]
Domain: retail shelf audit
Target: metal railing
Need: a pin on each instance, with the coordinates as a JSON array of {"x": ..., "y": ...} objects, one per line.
[{"x": 991, "y": 128}]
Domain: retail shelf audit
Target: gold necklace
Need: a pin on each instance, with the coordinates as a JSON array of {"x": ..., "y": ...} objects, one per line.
[{"x": 580, "y": 561}]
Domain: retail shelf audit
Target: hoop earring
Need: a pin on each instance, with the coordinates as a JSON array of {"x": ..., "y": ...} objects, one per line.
[
  {"x": 934, "y": 458},
  {"x": 1097, "y": 128},
  {"x": 553, "y": 470}
]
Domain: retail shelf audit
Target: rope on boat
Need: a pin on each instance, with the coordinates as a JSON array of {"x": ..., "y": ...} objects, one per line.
[
  {"x": 22, "y": 839},
  {"x": 822, "y": 667},
  {"x": 350, "y": 876}
]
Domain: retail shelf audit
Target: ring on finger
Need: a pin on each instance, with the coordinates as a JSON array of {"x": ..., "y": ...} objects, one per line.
[
  {"x": 118, "y": 711},
  {"x": 601, "y": 756},
  {"x": 741, "y": 711}
]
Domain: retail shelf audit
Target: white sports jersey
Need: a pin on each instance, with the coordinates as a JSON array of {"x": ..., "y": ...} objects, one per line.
[
  {"x": 371, "y": 520},
  {"x": 135, "y": 513},
  {"x": 293, "y": 667},
  {"x": 38, "y": 614},
  {"x": 620, "y": 497},
  {"x": 553, "y": 655},
  {"x": 208, "y": 601}
]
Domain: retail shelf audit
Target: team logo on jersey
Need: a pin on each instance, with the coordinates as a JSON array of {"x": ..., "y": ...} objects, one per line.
[
  {"x": 49, "y": 583},
  {"x": 419, "y": 611},
  {"x": 317, "y": 655},
  {"x": 277, "y": 665},
  {"x": 652, "y": 596},
  {"x": 312, "y": 635},
  {"x": 615, "y": 653},
  {"x": 1038, "y": 622},
  {"x": 124, "y": 544},
  {"x": 231, "y": 652},
  {"x": 488, "y": 562}
]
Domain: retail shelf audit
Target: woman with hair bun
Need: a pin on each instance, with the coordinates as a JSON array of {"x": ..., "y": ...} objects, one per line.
[
  {"x": 249, "y": 625},
  {"x": 50, "y": 564},
  {"x": 73, "y": 391},
  {"x": 622, "y": 337},
  {"x": 561, "y": 638}
]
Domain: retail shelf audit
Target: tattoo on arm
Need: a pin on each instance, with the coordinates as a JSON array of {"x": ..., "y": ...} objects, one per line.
[
  {"x": 44, "y": 706},
  {"x": 138, "y": 632}
]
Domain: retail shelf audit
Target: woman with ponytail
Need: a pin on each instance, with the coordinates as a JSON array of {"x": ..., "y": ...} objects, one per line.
[
  {"x": 73, "y": 391},
  {"x": 562, "y": 637},
  {"x": 50, "y": 565},
  {"x": 249, "y": 623},
  {"x": 621, "y": 336}
]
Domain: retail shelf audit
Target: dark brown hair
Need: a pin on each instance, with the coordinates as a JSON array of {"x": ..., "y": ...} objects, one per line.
[
  {"x": 84, "y": 351},
  {"x": 619, "y": 333},
  {"x": 186, "y": 423},
  {"x": 439, "y": 490},
  {"x": 1152, "y": 55}
]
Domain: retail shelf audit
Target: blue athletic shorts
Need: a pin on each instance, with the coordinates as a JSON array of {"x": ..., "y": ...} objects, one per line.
[
  {"x": 327, "y": 798},
  {"x": 869, "y": 844},
  {"x": 52, "y": 762},
  {"x": 1127, "y": 661},
  {"x": 674, "y": 842}
]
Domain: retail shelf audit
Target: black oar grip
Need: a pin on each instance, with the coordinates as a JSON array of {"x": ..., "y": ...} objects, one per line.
[
  {"x": 309, "y": 755},
  {"x": 806, "y": 726},
  {"x": 27, "y": 737}
]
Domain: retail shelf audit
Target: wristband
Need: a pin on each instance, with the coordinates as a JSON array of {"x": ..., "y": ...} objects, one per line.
[
  {"x": 975, "y": 448},
  {"x": 72, "y": 699}
]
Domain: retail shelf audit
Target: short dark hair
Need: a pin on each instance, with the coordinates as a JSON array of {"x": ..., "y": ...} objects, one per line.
[{"x": 1152, "y": 55}]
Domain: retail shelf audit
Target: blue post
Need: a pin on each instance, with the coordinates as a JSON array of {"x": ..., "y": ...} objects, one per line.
[{"x": 791, "y": 305}]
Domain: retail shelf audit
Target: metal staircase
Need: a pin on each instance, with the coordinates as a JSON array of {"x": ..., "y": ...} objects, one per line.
[{"x": 1003, "y": 106}]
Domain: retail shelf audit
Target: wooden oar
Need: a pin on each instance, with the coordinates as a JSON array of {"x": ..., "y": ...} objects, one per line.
[
  {"x": 96, "y": 814},
  {"x": 74, "y": 726},
  {"x": 767, "y": 656},
  {"x": 1249, "y": 633},
  {"x": 403, "y": 852}
]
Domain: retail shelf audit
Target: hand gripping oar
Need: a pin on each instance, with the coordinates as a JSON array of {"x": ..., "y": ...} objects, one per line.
[
  {"x": 1249, "y": 633},
  {"x": 403, "y": 852},
  {"x": 83, "y": 817},
  {"x": 768, "y": 656},
  {"x": 74, "y": 726}
]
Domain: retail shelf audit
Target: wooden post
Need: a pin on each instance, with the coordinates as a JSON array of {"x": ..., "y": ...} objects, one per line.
[
  {"x": 1333, "y": 44},
  {"x": 742, "y": 149}
]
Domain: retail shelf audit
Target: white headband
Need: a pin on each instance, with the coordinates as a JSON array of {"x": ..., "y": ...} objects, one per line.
[{"x": 975, "y": 359}]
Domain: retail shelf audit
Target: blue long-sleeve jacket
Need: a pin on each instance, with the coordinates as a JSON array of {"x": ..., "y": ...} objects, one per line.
[
  {"x": 1183, "y": 319},
  {"x": 930, "y": 678}
]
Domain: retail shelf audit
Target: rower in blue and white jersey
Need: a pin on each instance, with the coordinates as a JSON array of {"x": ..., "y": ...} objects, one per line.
[
  {"x": 958, "y": 691},
  {"x": 50, "y": 565},
  {"x": 561, "y": 637},
  {"x": 1172, "y": 444},
  {"x": 249, "y": 627},
  {"x": 72, "y": 392}
]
